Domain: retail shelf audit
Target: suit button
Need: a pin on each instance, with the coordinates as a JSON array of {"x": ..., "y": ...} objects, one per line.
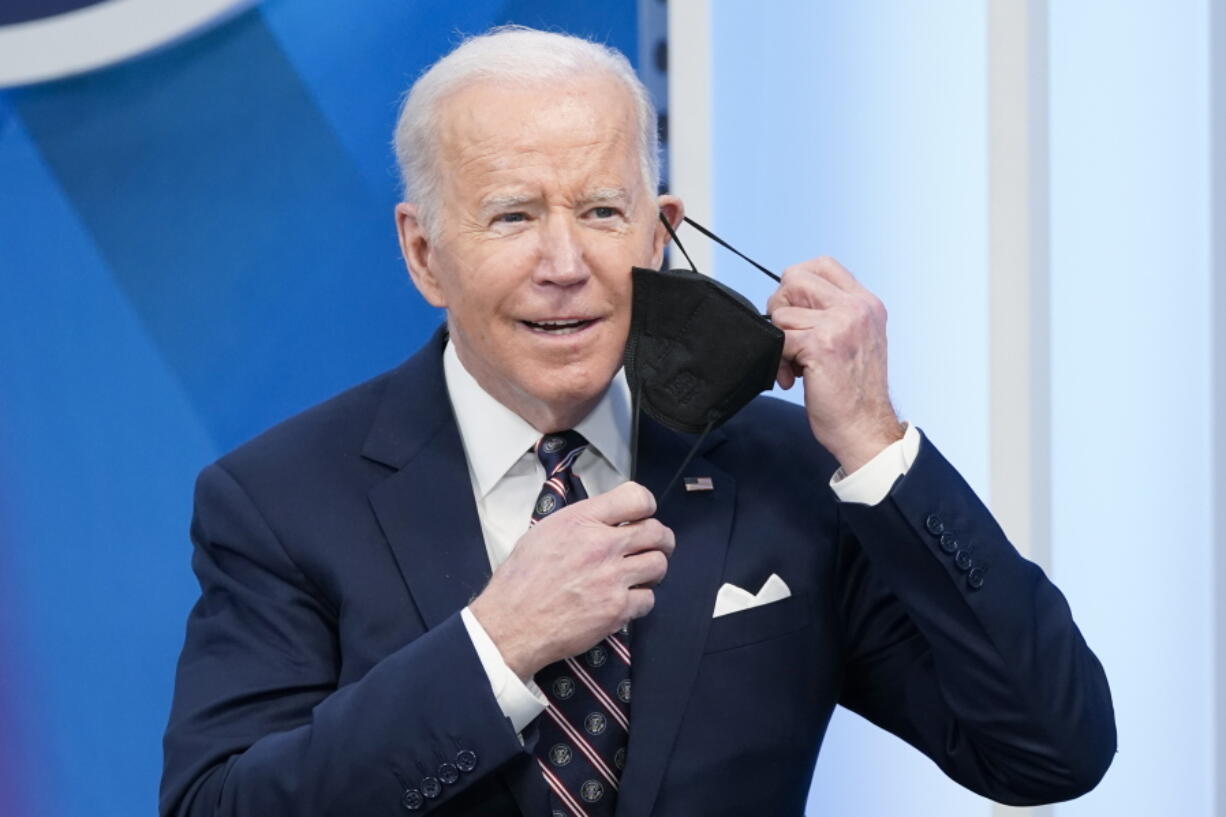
[
  {"x": 412, "y": 800},
  {"x": 934, "y": 524},
  {"x": 963, "y": 560},
  {"x": 949, "y": 542},
  {"x": 466, "y": 760},
  {"x": 430, "y": 787},
  {"x": 974, "y": 579},
  {"x": 448, "y": 773}
]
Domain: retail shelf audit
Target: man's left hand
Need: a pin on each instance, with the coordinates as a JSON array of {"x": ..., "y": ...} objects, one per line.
[{"x": 835, "y": 340}]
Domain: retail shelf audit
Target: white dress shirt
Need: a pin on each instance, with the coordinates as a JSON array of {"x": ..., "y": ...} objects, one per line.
[{"x": 506, "y": 478}]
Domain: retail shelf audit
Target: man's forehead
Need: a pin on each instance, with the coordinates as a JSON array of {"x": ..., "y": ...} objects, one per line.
[
  {"x": 490, "y": 117},
  {"x": 504, "y": 141}
]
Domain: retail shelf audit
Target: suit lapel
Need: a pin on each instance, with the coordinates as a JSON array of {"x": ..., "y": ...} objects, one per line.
[
  {"x": 666, "y": 645},
  {"x": 426, "y": 507},
  {"x": 427, "y": 512}
]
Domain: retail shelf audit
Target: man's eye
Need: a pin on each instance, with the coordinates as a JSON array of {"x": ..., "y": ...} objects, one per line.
[
  {"x": 511, "y": 218},
  {"x": 604, "y": 212}
]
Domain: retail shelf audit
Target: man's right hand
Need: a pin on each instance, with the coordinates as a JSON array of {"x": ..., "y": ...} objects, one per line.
[{"x": 574, "y": 578}]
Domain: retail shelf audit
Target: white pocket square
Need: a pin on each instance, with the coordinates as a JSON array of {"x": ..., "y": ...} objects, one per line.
[{"x": 733, "y": 599}]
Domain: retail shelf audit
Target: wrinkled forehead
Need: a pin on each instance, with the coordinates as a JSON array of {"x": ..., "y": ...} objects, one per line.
[{"x": 495, "y": 132}]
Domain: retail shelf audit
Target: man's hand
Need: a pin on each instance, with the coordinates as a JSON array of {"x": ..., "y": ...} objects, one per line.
[
  {"x": 574, "y": 578},
  {"x": 834, "y": 338}
]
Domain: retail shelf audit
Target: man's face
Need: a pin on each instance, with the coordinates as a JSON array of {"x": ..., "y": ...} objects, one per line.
[{"x": 544, "y": 211}]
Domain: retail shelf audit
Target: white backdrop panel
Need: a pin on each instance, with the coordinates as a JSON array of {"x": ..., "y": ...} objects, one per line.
[
  {"x": 859, "y": 131},
  {"x": 1131, "y": 422}
]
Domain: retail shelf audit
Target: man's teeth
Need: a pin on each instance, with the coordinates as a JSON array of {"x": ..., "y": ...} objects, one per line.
[{"x": 558, "y": 327}]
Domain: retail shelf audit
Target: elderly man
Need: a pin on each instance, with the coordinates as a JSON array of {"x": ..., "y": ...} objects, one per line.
[{"x": 441, "y": 591}]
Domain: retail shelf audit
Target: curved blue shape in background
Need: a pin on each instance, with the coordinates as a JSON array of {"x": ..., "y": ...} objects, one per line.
[{"x": 24, "y": 11}]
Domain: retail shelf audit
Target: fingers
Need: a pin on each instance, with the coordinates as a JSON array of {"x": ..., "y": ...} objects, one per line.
[
  {"x": 628, "y": 502},
  {"x": 644, "y": 569},
  {"x": 819, "y": 283},
  {"x": 834, "y": 272},
  {"x": 793, "y": 320},
  {"x": 802, "y": 286},
  {"x": 796, "y": 317},
  {"x": 831, "y": 332},
  {"x": 640, "y": 602},
  {"x": 785, "y": 376},
  {"x": 797, "y": 325},
  {"x": 648, "y": 534}
]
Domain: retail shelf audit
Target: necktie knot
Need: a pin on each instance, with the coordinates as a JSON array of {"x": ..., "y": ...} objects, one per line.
[{"x": 559, "y": 450}]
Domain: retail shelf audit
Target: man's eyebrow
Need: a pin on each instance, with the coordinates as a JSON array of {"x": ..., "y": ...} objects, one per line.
[
  {"x": 506, "y": 200},
  {"x": 605, "y": 194}
]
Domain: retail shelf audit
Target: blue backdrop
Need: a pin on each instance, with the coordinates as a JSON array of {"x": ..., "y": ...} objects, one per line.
[{"x": 193, "y": 245}]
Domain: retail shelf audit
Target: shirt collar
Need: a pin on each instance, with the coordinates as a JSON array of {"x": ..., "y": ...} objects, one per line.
[{"x": 502, "y": 436}]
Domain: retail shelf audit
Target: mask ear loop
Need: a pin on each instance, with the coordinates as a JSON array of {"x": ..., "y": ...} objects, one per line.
[
  {"x": 718, "y": 241},
  {"x": 672, "y": 234}
]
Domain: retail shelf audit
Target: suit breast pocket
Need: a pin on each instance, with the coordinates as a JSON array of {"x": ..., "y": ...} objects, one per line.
[{"x": 759, "y": 624}]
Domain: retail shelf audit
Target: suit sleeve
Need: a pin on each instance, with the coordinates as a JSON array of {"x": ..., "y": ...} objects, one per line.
[
  {"x": 966, "y": 650},
  {"x": 259, "y": 726}
]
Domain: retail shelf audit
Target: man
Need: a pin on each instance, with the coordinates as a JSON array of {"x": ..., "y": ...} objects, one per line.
[{"x": 352, "y": 654}]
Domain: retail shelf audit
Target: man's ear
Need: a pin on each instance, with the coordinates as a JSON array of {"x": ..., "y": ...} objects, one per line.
[
  {"x": 673, "y": 210},
  {"x": 416, "y": 249}
]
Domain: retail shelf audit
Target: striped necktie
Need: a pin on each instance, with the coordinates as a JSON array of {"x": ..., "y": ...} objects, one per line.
[{"x": 581, "y": 749}]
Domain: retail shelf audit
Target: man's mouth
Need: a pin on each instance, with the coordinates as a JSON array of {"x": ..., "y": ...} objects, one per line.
[{"x": 565, "y": 326}]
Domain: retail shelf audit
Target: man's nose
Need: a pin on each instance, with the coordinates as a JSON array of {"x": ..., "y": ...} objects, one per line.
[{"x": 562, "y": 260}]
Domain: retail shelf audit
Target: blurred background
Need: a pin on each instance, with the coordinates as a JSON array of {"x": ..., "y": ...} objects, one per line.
[{"x": 196, "y": 240}]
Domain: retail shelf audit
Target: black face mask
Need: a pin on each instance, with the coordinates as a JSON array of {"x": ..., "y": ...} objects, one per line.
[{"x": 698, "y": 351}]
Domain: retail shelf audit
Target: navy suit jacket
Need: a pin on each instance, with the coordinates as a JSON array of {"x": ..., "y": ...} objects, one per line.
[{"x": 326, "y": 669}]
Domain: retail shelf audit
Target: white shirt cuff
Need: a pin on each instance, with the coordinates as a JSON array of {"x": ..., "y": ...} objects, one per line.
[
  {"x": 519, "y": 702},
  {"x": 870, "y": 483}
]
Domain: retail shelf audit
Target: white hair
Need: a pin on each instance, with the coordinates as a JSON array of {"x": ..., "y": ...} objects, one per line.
[{"x": 508, "y": 54}]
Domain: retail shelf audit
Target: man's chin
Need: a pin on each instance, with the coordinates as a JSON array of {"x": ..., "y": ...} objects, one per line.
[
  {"x": 577, "y": 398},
  {"x": 571, "y": 400}
]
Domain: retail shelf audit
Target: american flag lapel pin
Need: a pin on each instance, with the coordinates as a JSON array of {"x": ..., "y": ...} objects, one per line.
[{"x": 699, "y": 484}]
